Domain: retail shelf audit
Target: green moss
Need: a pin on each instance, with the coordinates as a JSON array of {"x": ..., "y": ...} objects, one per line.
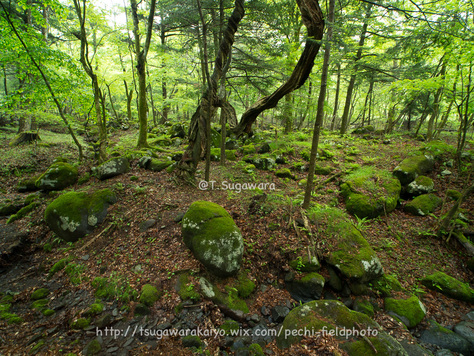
[
  {"x": 210, "y": 232},
  {"x": 352, "y": 254},
  {"x": 230, "y": 326},
  {"x": 38, "y": 346},
  {"x": 23, "y": 212},
  {"x": 48, "y": 312},
  {"x": 57, "y": 177},
  {"x": 316, "y": 315},
  {"x": 92, "y": 348},
  {"x": 58, "y": 266},
  {"x": 84, "y": 179},
  {"x": 149, "y": 295},
  {"x": 386, "y": 284},
  {"x": 230, "y": 155},
  {"x": 248, "y": 149},
  {"x": 186, "y": 289},
  {"x": 364, "y": 306},
  {"x": 157, "y": 165},
  {"x": 322, "y": 170},
  {"x": 31, "y": 198},
  {"x": 449, "y": 286},
  {"x": 381, "y": 343},
  {"x": 27, "y": 184},
  {"x": 438, "y": 148},
  {"x": 94, "y": 309},
  {"x": 39, "y": 294},
  {"x": 104, "y": 289},
  {"x": 255, "y": 350},
  {"x": 453, "y": 194},
  {"x": 39, "y": 304},
  {"x": 191, "y": 341},
  {"x": 232, "y": 301},
  {"x": 369, "y": 192},
  {"x": 284, "y": 173},
  {"x": 11, "y": 318},
  {"x": 410, "y": 311},
  {"x": 421, "y": 185},
  {"x": 244, "y": 285},
  {"x": 412, "y": 167},
  {"x": 80, "y": 324},
  {"x": 423, "y": 204}
]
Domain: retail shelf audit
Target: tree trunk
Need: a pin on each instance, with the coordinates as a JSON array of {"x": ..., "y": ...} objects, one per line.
[
  {"x": 435, "y": 113},
  {"x": 129, "y": 95},
  {"x": 318, "y": 123},
  {"x": 312, "y": 17},
  {"x": 350, "y": 88},
  {"x": 336, "y": 99},
  {"x": 209, "y": 101}
]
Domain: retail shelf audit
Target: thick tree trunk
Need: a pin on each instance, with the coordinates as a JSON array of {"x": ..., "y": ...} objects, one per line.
[
  {"x": 345, "y": 116},
  {"x": 209, "y": 101},
  {"x": 312, "y": 17}
]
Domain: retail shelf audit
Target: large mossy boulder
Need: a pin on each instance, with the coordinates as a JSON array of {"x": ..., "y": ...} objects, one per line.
[
  {"x": 263, "y": 162},
  {"x": 412, "y": 167},
  {"x": 446, "y": 339},
  {"x": 449, "y": 286},
  {"x": 113, "y": 167},
  {"x": 75, "y": 214},
  {"x": 423, "y": 204},
  {"x": 369, "y": 192},
  {"x": 211, "y": 234},
  {"x": 409, "y": 311},
  {"x": 157, "y": 165},
  {"x": 58, "y": 176},
  {"x": 331, "y": 317},
  {"x": 350, "y": 253}
]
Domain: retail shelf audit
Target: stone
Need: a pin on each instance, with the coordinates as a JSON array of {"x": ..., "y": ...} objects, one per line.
[
  {"x": 279, "y": 313},
  {"x": 113, "y": 167},
  {"x": 265, "y": 148},
  {"x": 75, "y": 214},
  {"x": 409, "y": 311},
  {"x": 263, "y": 162},
  {"x": 303, "y": 264},
  {"x": 423, "y": 204},
  {"x": 414, "y": 349},
  {"x": 58, "y": 176},
  {"x": 324, "y": 316},
  {"x": 412, "y": 167},
  {"x": 157, "y": 165},
  {"x": 177, "y": 130},
  {"x": 466, "y": 330},
  {"x": 284, "y": 173},
  {"x": 369, "y": 192},
  {"x": 191, "y": 341},
  {"x": 145, "y": 225},
  {"x": 211, "y": 234},
  {"x": 447, "y": 339},
  {"x": 352, "y": 255},
  {"x": 421, "y": 185},
  {"x": 39, "y": 294},
  {"x": 449, "y": 286},
  {"x": 363, "y": 306},
  {"x": 386, "y": 284},
  {"x": 308, "y": 287},
  {"x": 92, "y": 348},
  {"x": 12, "y": 242}
]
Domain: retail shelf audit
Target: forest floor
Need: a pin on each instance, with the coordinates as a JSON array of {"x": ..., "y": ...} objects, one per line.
[{"x": 131, "y": 257}]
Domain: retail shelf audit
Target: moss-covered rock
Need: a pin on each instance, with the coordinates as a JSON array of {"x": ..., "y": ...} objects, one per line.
[
  {"x": 248, "y": 149},
  {"x": 23, "y": 212},
  {"x": 94, "y": 309},
  {"x": 351, "y": 253},
  {"x": 412, "y": 167},
  {"x": 39, "y": 294},
  {"x": 27, "y": 185},
  {"x": 149, "y": 295},
  {"x": 304, "y": 264},
  {"x": 244, "y": 285},
  {"x": 325, "y": 316},
  {"x": 211, "y": 234},
  {"x": 263, "y": 162},
  {"x": 58, "y": 266},
  {"x": 453, "y": 194},
  {"x": 423, "y": 204},
  {"x": 322, "y": 170},
  {"x": 387, "y": 284},
  {"x": 92, "y": 348},
  {"x": 421, "y": 185},
  {"x": 364, "y": 306},
  {"x": 73, "y": 215},
  {"x": 284, "y": 173},
  {"x": 229, "y": 299},
  {"x": 39, "y": 304},
  {"x": 449, "y": 286},
  {"x": 383, "y": 343},
  {"x": 80, "y": 324},
  {"x": 438, "y": 148},
  {"x": 10, "y": 208},
  {"x": 186, "y": 290},
  {"x": 308, "y": 287},
  {"x": 446, "y": 339},
  {"x": 369, "y": 192},
  {"x": 113, "y": 167},
  {"x": 409, "y": 311},
  {"x": 57, "y": 177},
  {"x": 157, "y": 165}
]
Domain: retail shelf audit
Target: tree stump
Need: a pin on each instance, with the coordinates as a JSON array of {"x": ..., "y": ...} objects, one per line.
[{"x": 25, "y": 137}]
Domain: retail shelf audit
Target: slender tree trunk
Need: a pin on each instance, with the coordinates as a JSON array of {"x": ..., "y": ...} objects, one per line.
[
  {"x": 112, "y": 103},
  {"x": 312, "y": 17},
  {"x": 141, "y": 54},
  {"x": 465, "y": 117},
  {"x": 209, "y": 101},
  {"x": 129, "y": 95},
  {"x": 350, "y": 88},
  {"x": 435, "y": 113},
  {"x": 336, "y": 99},
  {"x": 5, "y": 82},
  {"x": 424, "y": 115},
  {"x": 308, "y": 105},
  {"x": 318, "y": 123},
  {"x": 444, "y": 120}
]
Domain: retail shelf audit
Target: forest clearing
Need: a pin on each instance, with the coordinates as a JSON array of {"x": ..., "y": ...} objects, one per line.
[{"x": 236, "y": 178}]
